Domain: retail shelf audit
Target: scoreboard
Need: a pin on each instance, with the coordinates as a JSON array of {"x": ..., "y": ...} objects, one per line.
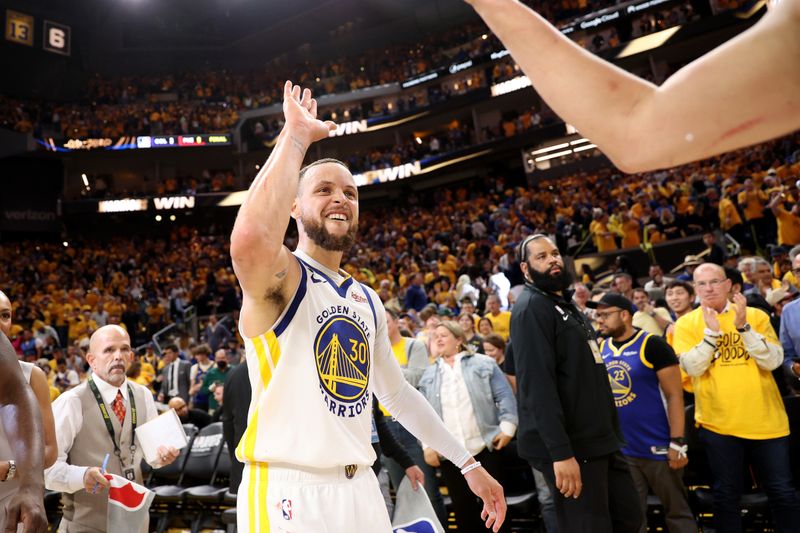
[{"x": 20, "y": 29}]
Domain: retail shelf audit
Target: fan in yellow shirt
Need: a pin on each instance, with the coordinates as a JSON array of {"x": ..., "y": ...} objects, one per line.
[
  {"x": 730, "y": 350},
  {"x": 501, "y": 320},
  {"x": 788, "y": 221},
  {"x": 603, "y": 238}
]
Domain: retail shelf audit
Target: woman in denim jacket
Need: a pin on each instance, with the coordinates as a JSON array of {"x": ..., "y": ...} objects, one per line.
[{"x": 475, "y": 401}]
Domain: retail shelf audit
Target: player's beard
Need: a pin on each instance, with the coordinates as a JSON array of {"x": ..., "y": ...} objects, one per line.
[
  {"x": 551, "y": 282},
  {"x": 317, "y": 232}
]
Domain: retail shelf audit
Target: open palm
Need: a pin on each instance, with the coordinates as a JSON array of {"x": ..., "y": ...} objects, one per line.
[{"x": 300, "y": 112}]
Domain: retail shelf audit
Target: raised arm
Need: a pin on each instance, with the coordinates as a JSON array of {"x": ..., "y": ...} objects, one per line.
[
  {"x": 264, "y": 266},
  {"x": 736, "y": 95},
  {"x": 19, "y": 414}
]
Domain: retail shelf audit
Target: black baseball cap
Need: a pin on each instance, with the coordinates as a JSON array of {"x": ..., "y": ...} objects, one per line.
[{"x": 612, "y": 299}]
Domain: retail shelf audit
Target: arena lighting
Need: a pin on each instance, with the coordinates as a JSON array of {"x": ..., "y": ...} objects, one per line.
[
  {"x": 578, "y": 141},
  {"x": 549, "y": 148},
  {"x": 66, "y": 244},
  {"x": 582, "y": 148},
  {"x": 126, "y": 205},
  {"x": 172, "y": 218},
  {"x": 85, "y": 180},
  {"x": 158, "y": 218},
  {"x": 509, "y": 86},
  {"x": 648, "y": 42},
  {"x": 553, "y": 156}
]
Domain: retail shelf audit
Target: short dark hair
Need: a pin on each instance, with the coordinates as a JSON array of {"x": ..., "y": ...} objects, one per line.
[
  {"x": 325, "y": 160},
  {"x": 391, "y": 313},
  {"x": 173, "y": 347},
  {"x": 522, "y": 251},
  {"x": 495, "y": 340},
  {"x": 735, "y": 276},
  {"x": 684, "y": 284}
]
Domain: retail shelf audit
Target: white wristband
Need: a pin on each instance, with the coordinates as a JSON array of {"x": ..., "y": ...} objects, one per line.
[
  {"x": 682, "y": 450},
  {"x": 470, "y": 468}
]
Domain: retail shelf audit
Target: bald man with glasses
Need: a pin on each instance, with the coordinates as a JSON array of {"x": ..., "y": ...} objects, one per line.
[{"x": 730, "y": 350}]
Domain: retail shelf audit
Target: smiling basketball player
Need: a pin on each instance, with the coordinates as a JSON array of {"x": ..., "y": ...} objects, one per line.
[{"x": 316, "y": 350}]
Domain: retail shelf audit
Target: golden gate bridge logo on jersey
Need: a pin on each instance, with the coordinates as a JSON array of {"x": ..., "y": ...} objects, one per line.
[{"x": 342, "y": 355}]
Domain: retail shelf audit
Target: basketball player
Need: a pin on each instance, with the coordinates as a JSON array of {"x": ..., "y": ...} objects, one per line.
[
  {"x": 316, "y": 349},
  {"x": 10, "y": 472},
  {"x": 744, "y": 92},
  {"x": 22, "y": 423}
]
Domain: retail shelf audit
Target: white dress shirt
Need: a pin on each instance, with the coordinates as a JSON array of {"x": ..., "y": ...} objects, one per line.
[
  {"x": 63, "y": 477},
  {"x": 457, "y": 412}
]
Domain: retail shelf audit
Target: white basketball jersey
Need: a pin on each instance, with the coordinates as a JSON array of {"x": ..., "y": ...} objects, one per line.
[{"x": 310, "y": 375}]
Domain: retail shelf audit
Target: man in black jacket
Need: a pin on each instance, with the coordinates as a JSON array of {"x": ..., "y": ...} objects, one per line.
[{"x": 568, "y": 427}]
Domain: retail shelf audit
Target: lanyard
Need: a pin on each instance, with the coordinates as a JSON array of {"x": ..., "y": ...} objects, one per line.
[
  {"x": 568, "y": 310},
  {"x": 107, "y": 419}
]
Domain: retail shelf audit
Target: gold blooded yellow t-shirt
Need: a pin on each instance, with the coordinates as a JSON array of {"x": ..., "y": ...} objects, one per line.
[{"x": 734, "y": 396}]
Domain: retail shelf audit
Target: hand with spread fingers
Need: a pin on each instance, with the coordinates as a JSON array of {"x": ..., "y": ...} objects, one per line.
[{"x": 300, "y": 112}]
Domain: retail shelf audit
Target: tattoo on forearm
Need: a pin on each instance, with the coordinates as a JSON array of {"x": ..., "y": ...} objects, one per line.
[{"x": 299, "y": 146}]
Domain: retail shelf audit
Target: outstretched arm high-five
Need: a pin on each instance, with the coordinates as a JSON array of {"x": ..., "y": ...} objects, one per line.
[{"x": 741, "y": 93}]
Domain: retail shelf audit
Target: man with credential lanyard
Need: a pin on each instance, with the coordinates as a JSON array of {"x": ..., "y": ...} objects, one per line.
[
  {"x": 96, "y": 418},
  {"x": 568, "y": 426}
]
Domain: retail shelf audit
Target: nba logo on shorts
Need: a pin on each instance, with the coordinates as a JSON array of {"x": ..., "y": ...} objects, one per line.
[
  {"x": 286, "y": 509},
  {"x": 423, "y": 525}
]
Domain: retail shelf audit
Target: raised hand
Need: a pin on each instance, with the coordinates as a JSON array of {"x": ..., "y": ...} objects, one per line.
[
  {"x": 300, "y": 112},
  {"x": 711, "y": 317},
  {"x": 740, "y": 306}
]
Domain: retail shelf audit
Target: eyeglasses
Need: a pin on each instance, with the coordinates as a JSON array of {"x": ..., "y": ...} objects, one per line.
[
  {"x": 714, "y": 283},
  {"x": 600, "y": 315}
]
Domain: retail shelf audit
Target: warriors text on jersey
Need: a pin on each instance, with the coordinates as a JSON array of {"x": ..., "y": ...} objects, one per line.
[{"x": 311, "y": 374}]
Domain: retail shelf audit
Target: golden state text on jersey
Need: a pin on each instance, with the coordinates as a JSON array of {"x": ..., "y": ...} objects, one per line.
[
  {"x": 342, "y": 354},
  {"x": 311, "y": 374}
]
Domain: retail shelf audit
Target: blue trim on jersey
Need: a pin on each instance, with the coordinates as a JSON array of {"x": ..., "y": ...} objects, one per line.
[
  {"x": 637, "y": 395},
  {"x": 341, "y": 291},
  {"x": 369, "y": 299},
  {"x": 298, "y": 297}
]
